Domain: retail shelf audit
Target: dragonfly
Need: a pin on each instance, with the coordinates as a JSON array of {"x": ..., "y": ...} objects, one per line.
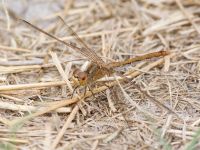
[{"x": 98, "y": 67}]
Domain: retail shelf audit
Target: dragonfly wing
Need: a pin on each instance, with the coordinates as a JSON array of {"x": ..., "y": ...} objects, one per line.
[
  {"x": 73, "y": 46},
  {"x": 88, "y": 51}
]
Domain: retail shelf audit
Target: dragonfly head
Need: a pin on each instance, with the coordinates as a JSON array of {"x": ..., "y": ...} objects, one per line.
[{"x": 81, "y": 76}]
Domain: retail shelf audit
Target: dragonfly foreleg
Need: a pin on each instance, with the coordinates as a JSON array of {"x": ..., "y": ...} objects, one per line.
[
  {"x": 90, "y": 89},
  {"x": 74, "y": 91}
]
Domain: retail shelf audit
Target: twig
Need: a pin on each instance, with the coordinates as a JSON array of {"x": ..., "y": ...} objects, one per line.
[
  {"x": 31, "y": 86},
  {"x": 65, "y": 126},
  {"x": 94, "y": 34},
  {"x": 7, "y": 15},
  {"x": 16, "y": 107},
  {"x": 61, "y": 71},
  {"x": 15, "y": 49},
  {"x": 187, "y": 15}
]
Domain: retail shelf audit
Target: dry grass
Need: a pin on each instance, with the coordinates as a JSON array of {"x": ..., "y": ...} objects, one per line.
[{"x": 37, "y": 111}]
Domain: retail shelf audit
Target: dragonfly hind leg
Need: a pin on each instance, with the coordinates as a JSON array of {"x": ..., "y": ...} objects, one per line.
[
  {"x": 85, "y": 91},
  {"x": 91, "y": 91}
]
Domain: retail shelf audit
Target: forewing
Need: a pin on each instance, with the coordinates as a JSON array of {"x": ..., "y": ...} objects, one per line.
[
  {"x": 88, "y": 51},
  {"x": 84, "y": 51}
]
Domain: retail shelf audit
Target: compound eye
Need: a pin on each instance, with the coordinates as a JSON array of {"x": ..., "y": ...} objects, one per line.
[{"x": 82, "y": 76}]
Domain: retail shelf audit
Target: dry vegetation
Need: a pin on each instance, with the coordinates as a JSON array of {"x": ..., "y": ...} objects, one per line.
[{"x": 37, "y": 111}]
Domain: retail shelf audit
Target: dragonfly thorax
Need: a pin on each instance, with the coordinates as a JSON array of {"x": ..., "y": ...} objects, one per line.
[{"x": 96, "y": 72}]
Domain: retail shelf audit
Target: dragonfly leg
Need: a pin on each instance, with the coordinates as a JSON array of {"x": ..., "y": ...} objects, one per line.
[
  {"x": 74, "y": 91},
  {"x": 91, "y": 91},
  {"x": 107, "y": 85},
  {"x": 85, "y": 90},
  {"x": 117, "y": 103}
]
